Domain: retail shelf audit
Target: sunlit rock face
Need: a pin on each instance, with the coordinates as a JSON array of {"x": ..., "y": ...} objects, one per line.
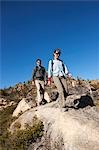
[{"x": 23, "y": 105}]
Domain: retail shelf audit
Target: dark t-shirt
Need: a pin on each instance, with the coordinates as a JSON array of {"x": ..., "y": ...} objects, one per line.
[{"x": 39, "y": 73}]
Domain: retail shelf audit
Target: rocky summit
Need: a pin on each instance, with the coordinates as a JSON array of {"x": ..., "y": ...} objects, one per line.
[{"x": 26, "y": 126}]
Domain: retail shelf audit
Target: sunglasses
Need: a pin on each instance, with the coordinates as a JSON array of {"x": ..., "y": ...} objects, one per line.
[{"x": 57, "y": 53}]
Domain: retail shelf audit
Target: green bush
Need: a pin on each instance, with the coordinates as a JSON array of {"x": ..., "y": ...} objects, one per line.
[
  {"x": 5, "y": 121},
  {"x": 3, "y": 92},
  {"x": 22, "y": 138},
  {"x": 6, "y": 118}
]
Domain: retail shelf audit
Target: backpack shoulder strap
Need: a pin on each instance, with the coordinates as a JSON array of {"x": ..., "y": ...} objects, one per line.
[
  {"x": 63, "y": 65},
  {"x": 43, "y": 69},
  {"x": 36, "y": 68},
  {"x": 52, "y": 64}
]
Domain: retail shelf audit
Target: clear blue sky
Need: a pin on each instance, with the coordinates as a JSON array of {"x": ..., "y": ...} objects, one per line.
[{"x": 31, "y": 30}]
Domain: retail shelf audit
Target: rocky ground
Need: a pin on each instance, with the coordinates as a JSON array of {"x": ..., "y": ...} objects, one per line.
[{"x": 76, "y": 128}]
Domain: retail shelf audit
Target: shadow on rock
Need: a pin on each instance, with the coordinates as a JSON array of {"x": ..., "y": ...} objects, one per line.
[
  {"x": 54, "y": 96},
  {"x": 84, "y": 101}
]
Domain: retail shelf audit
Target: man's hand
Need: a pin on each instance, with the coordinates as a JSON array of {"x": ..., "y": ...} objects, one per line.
[
  {"x": 69, "y": 75},
  {"x": 33, "y": 82},
  {"x": 49, "y": 83}
]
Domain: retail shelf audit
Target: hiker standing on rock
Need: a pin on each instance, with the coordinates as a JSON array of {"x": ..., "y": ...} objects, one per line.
[
  {"x": 58, "y": 71},
  {"x": 39, "y": 78}
]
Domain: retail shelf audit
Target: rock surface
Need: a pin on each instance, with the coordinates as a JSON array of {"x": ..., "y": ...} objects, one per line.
[
  {"x": 74, "y": 129},
  {"x": 5, "y": 103},
  {"x": 23, "y": 105},
  {"x": 70, "y": 130}
]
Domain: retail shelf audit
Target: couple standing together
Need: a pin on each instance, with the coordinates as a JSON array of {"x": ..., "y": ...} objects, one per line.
[{"x": 57, "y": 71}]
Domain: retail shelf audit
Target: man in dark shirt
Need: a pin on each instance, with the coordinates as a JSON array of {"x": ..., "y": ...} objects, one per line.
[{"x": 39, "y": 77}]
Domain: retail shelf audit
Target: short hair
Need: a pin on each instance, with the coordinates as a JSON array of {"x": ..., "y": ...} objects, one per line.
[{"x": 38, "y": 60}]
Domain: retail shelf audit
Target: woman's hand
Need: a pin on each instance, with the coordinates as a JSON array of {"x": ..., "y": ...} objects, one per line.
[{"x": 49, "y": 81}]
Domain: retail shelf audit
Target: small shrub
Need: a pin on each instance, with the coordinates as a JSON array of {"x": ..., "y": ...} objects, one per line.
[
  {"x": 95, "y": 84},
  {"x": 3, "y": 93},
  {"x": 21, "y": 139},
  {"x": 5, "y": 121}
]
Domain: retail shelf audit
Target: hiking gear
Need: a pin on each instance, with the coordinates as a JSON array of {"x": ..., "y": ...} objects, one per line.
[
  {"x": 62, "y": 65},
  {"x": 57, "y": 68},
  {"x": 39, "y": 73}
]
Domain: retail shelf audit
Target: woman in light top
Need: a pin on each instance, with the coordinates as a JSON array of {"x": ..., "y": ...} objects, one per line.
[{"x": 58, "y": 71}]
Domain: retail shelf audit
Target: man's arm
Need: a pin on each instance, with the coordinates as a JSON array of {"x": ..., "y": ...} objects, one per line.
[
  {"x": 49, "y": 72},
  {"x": 33, "y": 74}
]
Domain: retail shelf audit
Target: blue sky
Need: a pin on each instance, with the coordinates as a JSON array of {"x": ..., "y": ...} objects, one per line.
[{"x": 31, "y": 30}]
